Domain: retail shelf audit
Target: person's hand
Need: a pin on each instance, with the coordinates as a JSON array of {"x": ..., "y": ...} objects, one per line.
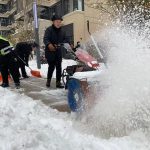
[{"x": 51, "y": 47}]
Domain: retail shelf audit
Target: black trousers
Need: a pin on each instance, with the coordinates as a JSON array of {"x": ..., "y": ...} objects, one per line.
[
  {"x": 23, "y": 70},
  {"x": 51, "y": 68},
  {"x": 8, "y": 65},
  {"x": 22, "y": 67}
]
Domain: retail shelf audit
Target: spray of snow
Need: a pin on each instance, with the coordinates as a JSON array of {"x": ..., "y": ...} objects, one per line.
[{"x": 124, "y": 105}]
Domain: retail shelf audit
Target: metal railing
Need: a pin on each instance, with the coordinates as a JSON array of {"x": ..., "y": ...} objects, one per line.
[
  {"x": 8, "y": 13},
  {"x": 4, "y": 1}
]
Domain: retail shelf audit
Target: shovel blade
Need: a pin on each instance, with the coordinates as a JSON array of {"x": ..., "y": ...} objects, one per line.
[{"x": 36, "y": 73}]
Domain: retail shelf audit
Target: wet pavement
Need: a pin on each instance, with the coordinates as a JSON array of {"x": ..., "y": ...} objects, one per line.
[{"x": 36, "y": 89}]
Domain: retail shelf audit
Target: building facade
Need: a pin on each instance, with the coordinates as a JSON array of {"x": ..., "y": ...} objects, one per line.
[
  {"x": 7, "y": 21},
  {"x": 75, "y": 15}
]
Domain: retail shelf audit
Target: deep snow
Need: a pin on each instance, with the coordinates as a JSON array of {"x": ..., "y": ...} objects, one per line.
[{"x": 27, "y": 124}]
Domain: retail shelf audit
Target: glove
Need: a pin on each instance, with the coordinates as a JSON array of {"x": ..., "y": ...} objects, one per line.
[{"x": 51, "y": 47}]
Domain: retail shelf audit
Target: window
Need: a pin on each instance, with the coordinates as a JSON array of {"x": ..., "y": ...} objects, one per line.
[
  {"x": 72, "y": 5},
  {"x": 48, "y": 12},
  {"x": 44, "y": 12},
  {"x": 61, "y": 8},
  {"x": 78, "y": 5},
  {"x": 3, "y": 8},
  {"x": 4, "y": 21}
]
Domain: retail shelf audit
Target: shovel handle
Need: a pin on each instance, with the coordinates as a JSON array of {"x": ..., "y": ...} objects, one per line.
[{"x": 24, "y": 62}]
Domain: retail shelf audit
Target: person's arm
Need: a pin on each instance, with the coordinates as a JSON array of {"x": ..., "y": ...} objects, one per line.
[{"x": 47, "y": 41}]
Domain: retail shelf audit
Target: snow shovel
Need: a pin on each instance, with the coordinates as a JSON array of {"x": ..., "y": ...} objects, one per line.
[{"x": 33, "y": 72}]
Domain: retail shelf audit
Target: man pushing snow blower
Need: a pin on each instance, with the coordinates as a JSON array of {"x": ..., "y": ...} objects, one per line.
[
  {"x": 54, "y": 35},
  {"x": 8, "y": 63}
]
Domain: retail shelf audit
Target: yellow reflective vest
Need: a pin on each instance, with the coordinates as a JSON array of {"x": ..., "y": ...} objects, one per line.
[
  {"x": 5, "y": 50},
  {"x": 2, "y": 38}
]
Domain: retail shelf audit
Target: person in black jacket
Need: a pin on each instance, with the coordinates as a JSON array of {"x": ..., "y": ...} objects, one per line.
[
  {"x": 8, "y": 63},
  {"x": 23, "y": 50},
  {"x": 54, "y": 36}
]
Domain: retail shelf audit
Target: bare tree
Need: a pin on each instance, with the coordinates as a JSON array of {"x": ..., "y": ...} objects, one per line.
[
  {"x": 139, "y": 9},
  {"x": 134, "y": 14}
]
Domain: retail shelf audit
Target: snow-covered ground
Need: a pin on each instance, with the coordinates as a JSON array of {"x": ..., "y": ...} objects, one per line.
[
  {"x": 26, "y": 124},
  {"x": 30, "y": 125}
]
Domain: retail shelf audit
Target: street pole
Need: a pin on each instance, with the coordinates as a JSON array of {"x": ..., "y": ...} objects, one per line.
[{"x": 36, "y": 33}]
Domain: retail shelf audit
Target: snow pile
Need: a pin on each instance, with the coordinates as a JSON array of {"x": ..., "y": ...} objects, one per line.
[
  {"x": 124, "y": 105},
  {"x": 27, "y": 124}
]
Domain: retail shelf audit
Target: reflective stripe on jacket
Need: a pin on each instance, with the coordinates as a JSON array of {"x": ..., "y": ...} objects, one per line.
[{"x": 5, "y": 46}]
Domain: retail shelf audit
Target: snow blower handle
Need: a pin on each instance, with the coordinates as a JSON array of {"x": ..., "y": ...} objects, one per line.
[
  {"x": 88, "y": 27},
  {"x": 95, "y": 44},
  {"x": 93, "y": 40}
]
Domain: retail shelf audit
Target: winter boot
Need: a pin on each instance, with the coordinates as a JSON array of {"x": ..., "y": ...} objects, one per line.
[
  {"x": 48, "y": 83},
  {"x": 17, "y": 85},
  {"x": 4, "y": 85},
  {"x": 25, "y": 76},
  {"x": 59, "y": 85}
]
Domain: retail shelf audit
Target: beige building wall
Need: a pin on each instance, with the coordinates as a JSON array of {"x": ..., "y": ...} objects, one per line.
[
  {"x": 96, "y": 18},
  {"x": 79, "y": 19}
]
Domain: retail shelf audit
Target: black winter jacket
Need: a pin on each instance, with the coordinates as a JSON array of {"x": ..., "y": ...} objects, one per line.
[
  {"x": 23, "y": 50},
  {"x": 54, "y": 36}
]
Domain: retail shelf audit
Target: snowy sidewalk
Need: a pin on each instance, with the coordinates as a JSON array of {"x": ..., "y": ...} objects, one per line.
[{"x": 35, "y": 88}]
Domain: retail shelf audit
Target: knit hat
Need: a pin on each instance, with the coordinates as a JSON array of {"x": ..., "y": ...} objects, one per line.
[{"x": 56, "y": 17}]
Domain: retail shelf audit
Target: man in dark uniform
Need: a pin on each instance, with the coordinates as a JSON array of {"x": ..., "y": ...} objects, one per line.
[
  {"x": 23, "y": 50},
  {"x": 8, "y": 63},
  {"x": 54, "y": 36}
]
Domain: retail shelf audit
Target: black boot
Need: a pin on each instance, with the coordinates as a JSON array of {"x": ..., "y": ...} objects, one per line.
[
  {"x": 25, "y": 76},
  {"x": 48, "y": 83},
  {"x": 17, "y": 85},
  {"x": 4, "y": 85},
  {"x": 59, "y": 85}
]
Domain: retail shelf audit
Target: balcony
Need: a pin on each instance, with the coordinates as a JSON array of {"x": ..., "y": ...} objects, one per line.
[
  {"x": 4, "y": 1},
  {"x": 12, "y": 26},
  {"x": 8, "y": 13},
  {"x": 4, "y": 28},
  {"x": 4, "y": 15},
  {"x": 46, "y": 2},
  {"x": 19, "y": 15}
]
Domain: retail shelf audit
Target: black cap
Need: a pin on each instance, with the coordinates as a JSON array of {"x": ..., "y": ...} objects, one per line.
[{"x": 56, "y": 17}]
